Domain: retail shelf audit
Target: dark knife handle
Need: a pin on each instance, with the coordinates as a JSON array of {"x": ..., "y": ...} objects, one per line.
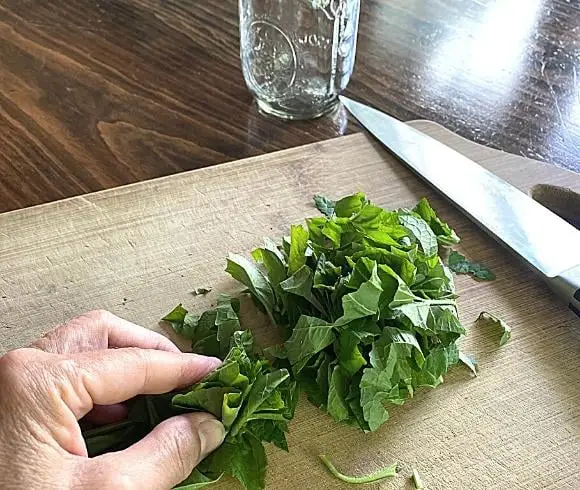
[{"x": 567, "y": 286}]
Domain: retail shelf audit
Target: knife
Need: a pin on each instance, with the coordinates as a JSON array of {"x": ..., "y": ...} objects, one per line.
[{"x": 543, "y": 239}]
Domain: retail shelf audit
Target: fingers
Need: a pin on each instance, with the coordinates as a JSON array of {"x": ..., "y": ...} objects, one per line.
[
  {"x": 115, "y": 375},
  {"x": 97, "y": 330},
  {"x": 162, "y": 459}
]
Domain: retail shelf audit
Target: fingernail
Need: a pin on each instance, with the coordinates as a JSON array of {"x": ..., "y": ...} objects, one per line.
[
  {"x": 210, "y": 363},
  {"x": 211, "y": 435}
]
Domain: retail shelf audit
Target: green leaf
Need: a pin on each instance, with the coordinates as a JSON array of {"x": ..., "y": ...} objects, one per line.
[
  {"x": 387, "y": 472},
  {"x": 227, "y": 323},
  {"x": 395, "y": 290},
  {"x": 190, "y": 328},
  {"x": 309, "y": 337},
  {"x": 298, "y": 246},
  {"x": 195, "y": 481},
  {"x": 276, "y": 351},
  {"x": 405, "y": 342},
  {"x": 242, "y": 339},
  {"x": 324, "y": 205},
  {"x": 337, "y": 391},
  {"x": 354, "y": 402},
  {"x": 270, "y": 431},
  {"x": 422, "y": 233},
  {"x": 314, "y": 378},
  {"x": 396, "y": 359},
  {"x": 361, "y": 272},
  {"x": 176, "y": 315},
  {"x": 244, "y": 458},
  {"x": 368, "y": 218},
  {"x": 348, "y": 353},
  {"x": 375, "y": 391},
  {"x": 232, "y": 403},
  {"x": 333, "y": 232},
  {"x": 460, "y": 265},
  {"x": 445, "y": 235},
  {"x": 273, "y": 262},
  {"x": 254, "y": 279},
  {"x": 436, "y": 364},
  {"x": 326, "y": 274},
  {"x": 300, "y": 284},
  {"x": 363, "y": 302},
  {"x": 487, "y": 319},
  {"x": 205, "y": 399},
  {"x": 350, "y": 205},
  {"x": 232, "y": 372},
  {"x": 262, "y": 388}
]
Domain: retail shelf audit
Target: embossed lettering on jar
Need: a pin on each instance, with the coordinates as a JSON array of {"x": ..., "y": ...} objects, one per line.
[{"x": 298, "y": 55}]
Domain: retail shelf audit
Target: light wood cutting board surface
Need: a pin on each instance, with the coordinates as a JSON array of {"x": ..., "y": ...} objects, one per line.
[{"x": 141, "y": 249}]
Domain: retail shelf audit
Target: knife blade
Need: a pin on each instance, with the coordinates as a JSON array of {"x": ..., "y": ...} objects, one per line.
[{"x": 543, "y": 239}]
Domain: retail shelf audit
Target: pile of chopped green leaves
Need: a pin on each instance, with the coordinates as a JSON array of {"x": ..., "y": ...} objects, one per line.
[
  {"x": 368, "y": 313},
  {"x": 253, "y": 400},
  {"x": 367, "y": 305}
]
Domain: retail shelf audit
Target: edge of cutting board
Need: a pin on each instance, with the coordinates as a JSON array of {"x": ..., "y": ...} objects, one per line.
[{"x": 510, "y": 169}]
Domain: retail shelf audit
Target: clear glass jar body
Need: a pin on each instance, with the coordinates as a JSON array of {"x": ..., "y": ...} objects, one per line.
[{"x": 298, "y": 55}]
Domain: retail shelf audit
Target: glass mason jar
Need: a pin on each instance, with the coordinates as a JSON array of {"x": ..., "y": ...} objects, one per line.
[{"x": 298, "y": 55}]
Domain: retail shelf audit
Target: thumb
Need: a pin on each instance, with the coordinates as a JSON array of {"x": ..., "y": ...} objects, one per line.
[{"x": 163, "y": 458}]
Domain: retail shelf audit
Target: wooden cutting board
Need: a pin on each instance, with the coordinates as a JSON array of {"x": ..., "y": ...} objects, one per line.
[{"x": 141, "y": 249}]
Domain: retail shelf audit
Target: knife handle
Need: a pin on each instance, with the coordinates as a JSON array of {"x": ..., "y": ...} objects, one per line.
[{"x": 567, "y": 286}]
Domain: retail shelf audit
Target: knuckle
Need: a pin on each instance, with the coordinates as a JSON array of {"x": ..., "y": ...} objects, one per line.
[
  {"x": 19, "y": 369},
  {"x": 16, "y": 364},
  {"x": 53, "y": 341},
  {"x": 14, "y": 358},
  {"x": 99, "y": 315}
]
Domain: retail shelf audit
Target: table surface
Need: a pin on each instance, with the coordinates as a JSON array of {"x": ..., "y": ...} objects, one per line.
[{"x": 96, "y": 94}]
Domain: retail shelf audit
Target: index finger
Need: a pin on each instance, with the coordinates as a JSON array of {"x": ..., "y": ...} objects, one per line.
[
  {"x": 98, "y": 330},
  {"x": 113, "y": 376}
]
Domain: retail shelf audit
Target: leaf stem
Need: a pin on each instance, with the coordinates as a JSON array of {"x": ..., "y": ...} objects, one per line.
[
  {"x": 417, "y": 483},
  {"x": 386, "y": 472}
]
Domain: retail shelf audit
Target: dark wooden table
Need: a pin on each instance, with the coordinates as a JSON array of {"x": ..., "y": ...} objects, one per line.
[{"x": 95, "y": 94}]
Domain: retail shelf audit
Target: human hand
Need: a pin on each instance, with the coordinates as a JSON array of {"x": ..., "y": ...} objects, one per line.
[{"x": 87, "y": 368}]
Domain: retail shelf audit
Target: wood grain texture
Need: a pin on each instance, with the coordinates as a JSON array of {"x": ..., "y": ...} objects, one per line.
[
  {"x": 139, "y": 250},
  {"x": 96, "y": 94}
]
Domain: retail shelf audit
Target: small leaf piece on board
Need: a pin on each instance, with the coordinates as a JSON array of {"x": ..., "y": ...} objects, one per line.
[
  {"x": 469, "y": 362},
  {"x": 324, "y": 205},
  {"x": 460, "y": 265},
  {"x": 489, "y": 319},
  {"x": 417, "y": 483}
]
